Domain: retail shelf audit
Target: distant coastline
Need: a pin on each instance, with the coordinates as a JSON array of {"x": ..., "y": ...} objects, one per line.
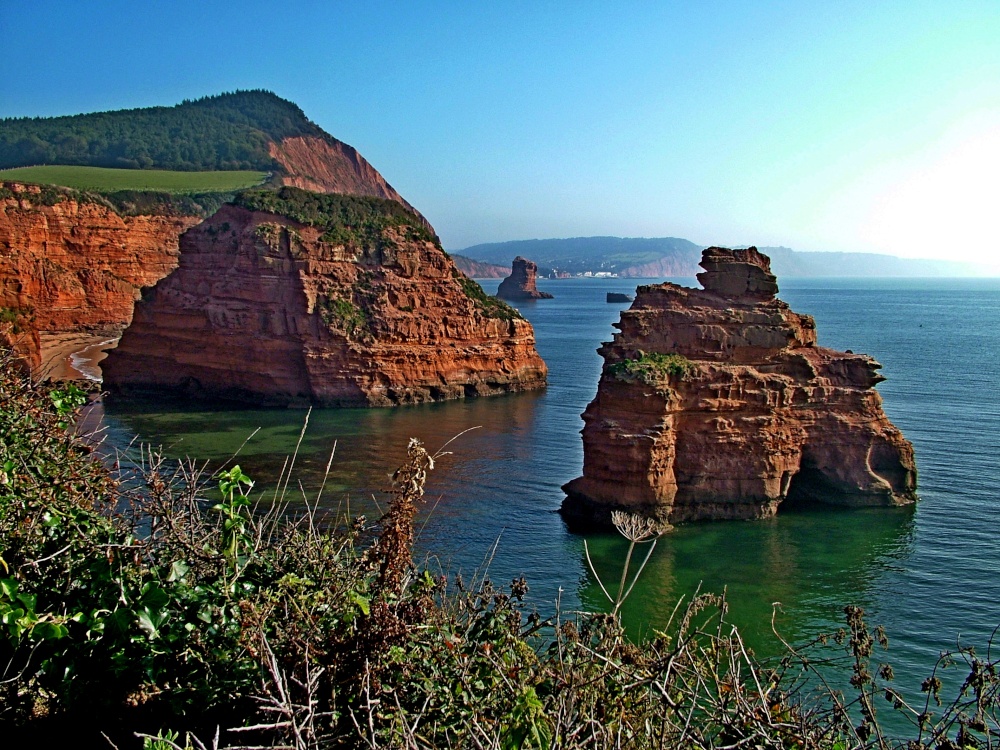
[{"x": 640, "y": 257}]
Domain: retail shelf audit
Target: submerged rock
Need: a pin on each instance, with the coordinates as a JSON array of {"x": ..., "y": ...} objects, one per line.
[
  {"x": 717, "y": 403},
  {"x": 351, "y": 303},
  {"x": 522, "y": 282}
]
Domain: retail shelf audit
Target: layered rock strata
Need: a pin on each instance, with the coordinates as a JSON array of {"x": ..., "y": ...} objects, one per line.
[
  {"x": 72, "y": 270},
  {"x": 269, "y": 310},
  {"x": 522, "y": 284},
  {"x": 717, "y": 403}
]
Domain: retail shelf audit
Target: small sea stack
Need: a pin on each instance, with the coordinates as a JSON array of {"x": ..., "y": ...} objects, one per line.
[
  {"x": 717, "y": 403},
  {"x": 522, "y": 282},
  {"x": 619, "y": 297}
]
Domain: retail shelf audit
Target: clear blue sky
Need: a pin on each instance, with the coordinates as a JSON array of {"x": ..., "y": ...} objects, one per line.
[{"x": 844, "y": 125}]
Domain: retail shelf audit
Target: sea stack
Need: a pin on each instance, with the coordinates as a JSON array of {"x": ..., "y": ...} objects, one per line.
[
  {"x": 294, "y": 298},
  {"x": 522, "y": 282},
  {"x": 717, "y": 404}
]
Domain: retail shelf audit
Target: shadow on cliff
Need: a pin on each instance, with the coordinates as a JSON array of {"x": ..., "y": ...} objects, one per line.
[{"x": 812, "y": 561}]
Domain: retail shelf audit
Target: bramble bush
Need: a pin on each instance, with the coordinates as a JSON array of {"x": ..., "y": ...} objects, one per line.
[{"x": 173, "y": 606}]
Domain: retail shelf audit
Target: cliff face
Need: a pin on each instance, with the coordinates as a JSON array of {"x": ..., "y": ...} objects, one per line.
[
  {"x": 717, "y": 403},
  {"x": 522, "y": 284},
  {"x": 673, "y": 265},
  {"x": 69, "y": 268},
  {"x": 476, "y": 269},
  {"x": 326, "y": 165},
  {"x": 265, "y": 309}
]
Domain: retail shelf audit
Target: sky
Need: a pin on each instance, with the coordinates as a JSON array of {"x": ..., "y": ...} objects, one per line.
[{"x": 847, "y": 126}]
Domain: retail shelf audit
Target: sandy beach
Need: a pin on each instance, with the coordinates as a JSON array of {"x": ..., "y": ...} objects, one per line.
[{"x": 76, "y": 356}]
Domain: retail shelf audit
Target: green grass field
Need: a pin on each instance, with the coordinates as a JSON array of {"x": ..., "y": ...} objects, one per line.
[{"x": 110, "y": 180}]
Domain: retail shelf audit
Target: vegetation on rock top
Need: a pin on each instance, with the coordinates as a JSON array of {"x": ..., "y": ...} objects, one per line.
[
  {"x": 652, "y": 367},
  {"x": 226, "y": 132},
  {"x": 125, "y": 202},
  {"x": 344, "y": 219},
  {"x": 489, "y": 306}
]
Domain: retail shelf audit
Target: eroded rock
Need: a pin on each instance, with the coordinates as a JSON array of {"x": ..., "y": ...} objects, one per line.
[
  {"x": 522, "y": 284},
  {"x": 267, "y": 309},
  {"x": 717, "y": 403}
]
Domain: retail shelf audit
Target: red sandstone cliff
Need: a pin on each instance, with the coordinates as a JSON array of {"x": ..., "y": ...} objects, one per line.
[
  {"x": 70, "y": 269},
  {"x": 522, "y": 284},
  {"x": 477, "y": 269},
  {"x": 672, "y": 265},
  {"x": 264, "y": 309},
  {"x": 326, "y": 165},
  {"x": 717, "y": 403}
]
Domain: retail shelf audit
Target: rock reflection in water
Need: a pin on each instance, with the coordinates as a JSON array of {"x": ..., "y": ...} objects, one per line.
[{"x": 813, "y": 562}]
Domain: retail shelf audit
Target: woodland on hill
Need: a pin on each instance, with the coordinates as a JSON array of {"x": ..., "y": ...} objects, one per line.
[{"x": 229, "y": 131}]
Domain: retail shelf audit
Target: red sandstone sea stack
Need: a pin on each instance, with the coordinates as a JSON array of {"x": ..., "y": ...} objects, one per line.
[
  {"x": 717, "y": 403},
  {"x": 269, "y": 309},
  {"x": 522, "y": 282}
]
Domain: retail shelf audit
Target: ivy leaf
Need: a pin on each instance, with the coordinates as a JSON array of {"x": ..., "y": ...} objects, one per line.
[
  {"x": 178, "y": 570},
  {"x": 151, "y": 622},
  {"x": 359, "y": 601},
  {"x": 49, "y": 631},
  {"x": 8, "y": 587},
  {"x": 153, "y": 596}
]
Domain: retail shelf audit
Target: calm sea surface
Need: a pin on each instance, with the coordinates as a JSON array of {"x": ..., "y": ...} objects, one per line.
[{"x": 930, "y": 575}]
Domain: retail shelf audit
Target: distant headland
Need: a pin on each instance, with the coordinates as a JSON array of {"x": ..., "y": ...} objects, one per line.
[{"x": 657, "y": 257}]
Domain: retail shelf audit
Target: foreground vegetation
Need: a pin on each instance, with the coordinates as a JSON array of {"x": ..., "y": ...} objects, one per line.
[
  {"x": 105, "y": 180},
  {"x": 165, "y": 602}
]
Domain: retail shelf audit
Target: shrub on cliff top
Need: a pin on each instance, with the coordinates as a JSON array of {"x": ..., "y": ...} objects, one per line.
[
  {"x": 652, "y": 367},
  {"x": 125, "y": 202},
  {"x": 343, "y": 218},
  {"x": 491, "y": 307}
]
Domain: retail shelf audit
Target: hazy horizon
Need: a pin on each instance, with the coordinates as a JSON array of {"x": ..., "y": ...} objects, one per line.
[{"x": 851, "y": 128}]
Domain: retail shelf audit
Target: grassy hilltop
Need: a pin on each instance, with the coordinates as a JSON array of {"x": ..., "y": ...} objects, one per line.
[{"x": 104, "y": 179}]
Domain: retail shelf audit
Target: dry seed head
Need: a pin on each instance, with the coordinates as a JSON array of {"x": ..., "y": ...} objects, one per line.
[{"x": 635, "y": 528}]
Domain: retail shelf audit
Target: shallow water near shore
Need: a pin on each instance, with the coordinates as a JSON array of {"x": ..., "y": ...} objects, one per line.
[{"x": 930, "y": 574}]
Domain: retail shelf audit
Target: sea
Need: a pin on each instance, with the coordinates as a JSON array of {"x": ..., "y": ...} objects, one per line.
[{"x": 929, "y": 574}]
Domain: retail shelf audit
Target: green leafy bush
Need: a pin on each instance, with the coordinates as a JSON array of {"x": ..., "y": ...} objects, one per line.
[
  {"x": 491, "y": 307},
  {"x": 344, "y": 219},
  {"x": 652, "y": 368}
]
